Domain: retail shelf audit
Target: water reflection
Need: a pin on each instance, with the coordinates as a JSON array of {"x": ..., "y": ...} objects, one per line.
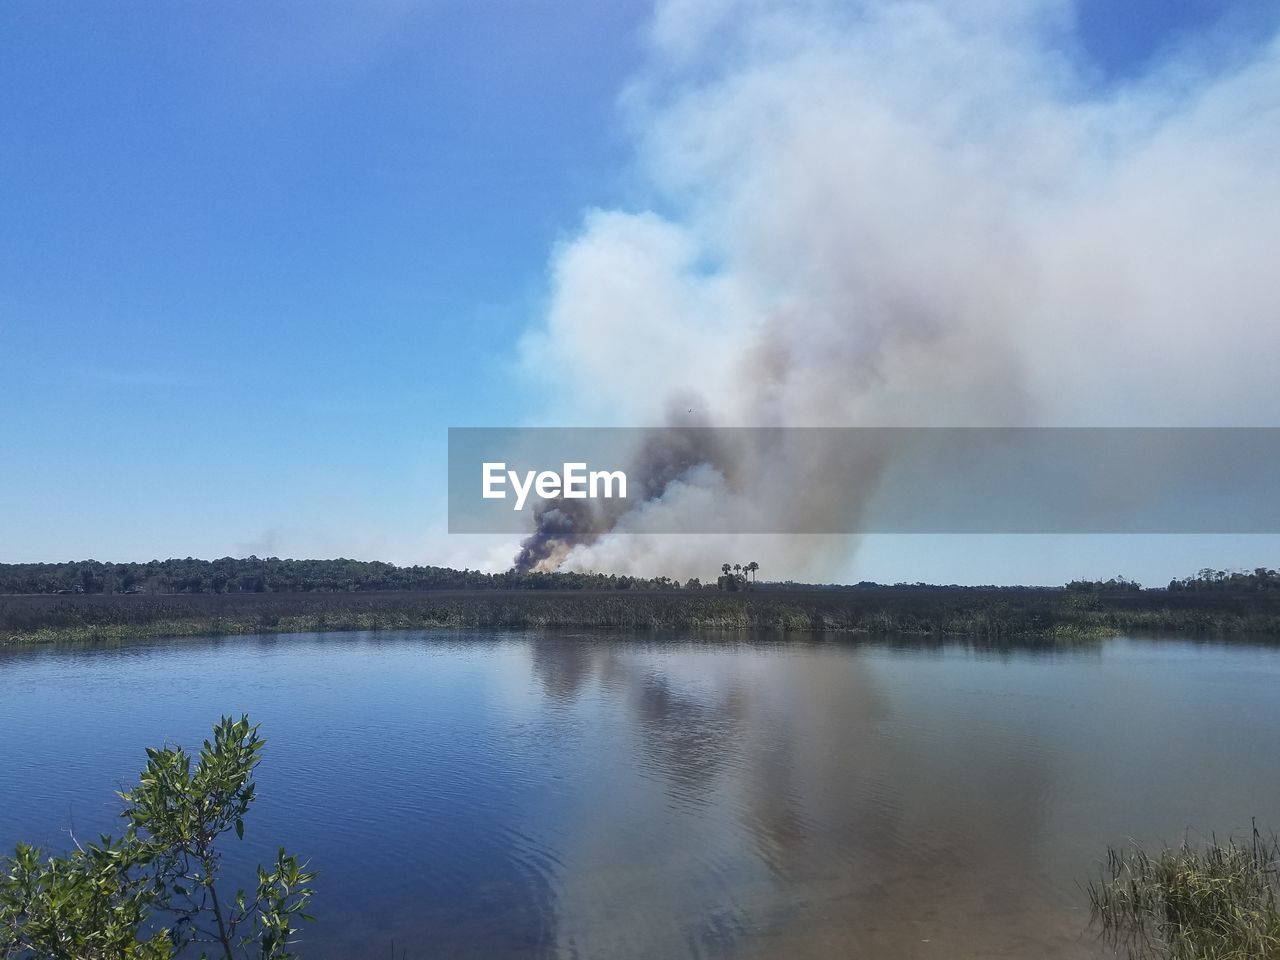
[
  {"x": 789, "y": 788},
  {"x": 571, "y": 796}
]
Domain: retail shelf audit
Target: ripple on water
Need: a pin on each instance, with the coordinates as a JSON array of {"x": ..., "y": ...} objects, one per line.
[{"x": 532, "y": 796}]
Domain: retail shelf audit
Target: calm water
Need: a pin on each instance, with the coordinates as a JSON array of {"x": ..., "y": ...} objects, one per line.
[{"x": 517, "y": 795}]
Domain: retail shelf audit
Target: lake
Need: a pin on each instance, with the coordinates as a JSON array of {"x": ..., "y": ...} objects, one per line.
[{"x": 575, "y": 795}]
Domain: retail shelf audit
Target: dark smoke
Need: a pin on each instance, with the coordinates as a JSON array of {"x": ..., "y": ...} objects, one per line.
[
  {"x": 665, "y": 456},
  {"x": 560, "y": 525}
]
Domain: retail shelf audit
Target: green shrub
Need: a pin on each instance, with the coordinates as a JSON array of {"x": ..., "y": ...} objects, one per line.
[{"x": 154, "y": 892}]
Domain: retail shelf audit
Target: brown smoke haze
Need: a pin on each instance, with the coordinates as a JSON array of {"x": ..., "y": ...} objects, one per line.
[{"x": 905, "y": 214}]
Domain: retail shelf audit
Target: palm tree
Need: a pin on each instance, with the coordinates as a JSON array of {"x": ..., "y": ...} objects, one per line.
[
  {"x": 751, "y": 568},
  {"x": 724, "y": 568}
]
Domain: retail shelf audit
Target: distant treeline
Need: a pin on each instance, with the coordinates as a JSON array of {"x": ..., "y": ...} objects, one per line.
[
  {"x": 231, "y": 575},
  {"x": 1261, "y": 580},
  {"x": 1222, "y": 581},
  {"x": 273, "y": 575}
]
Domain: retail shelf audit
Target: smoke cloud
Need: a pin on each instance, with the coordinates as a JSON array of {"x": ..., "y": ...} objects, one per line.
[{"x": 905, "y": 213}]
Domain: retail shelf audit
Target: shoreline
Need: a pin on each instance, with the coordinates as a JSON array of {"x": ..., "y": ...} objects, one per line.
[{"x": 993, "y": 616}]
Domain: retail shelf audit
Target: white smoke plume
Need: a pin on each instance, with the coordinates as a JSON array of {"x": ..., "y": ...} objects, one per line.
[{"x": 912, "y": 213}]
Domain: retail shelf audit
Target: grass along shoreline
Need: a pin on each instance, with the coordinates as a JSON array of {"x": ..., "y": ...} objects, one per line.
[
  {"x": 989, "y": 615},
  {"x": 1214, "y": 900}
]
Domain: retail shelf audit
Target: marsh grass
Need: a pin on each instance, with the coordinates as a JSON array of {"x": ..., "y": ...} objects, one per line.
[
  {"x": 1213, "y": 901},
  {"x": 981, "y": 616},
  {"x": 988, "y": 616}
]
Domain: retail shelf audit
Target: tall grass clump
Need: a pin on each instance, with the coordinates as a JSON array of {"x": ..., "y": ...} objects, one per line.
[{"x": 1214, "y": 901}]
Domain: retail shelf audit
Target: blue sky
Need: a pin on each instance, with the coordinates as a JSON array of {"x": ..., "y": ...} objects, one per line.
[{"x": 255, "y": 258}]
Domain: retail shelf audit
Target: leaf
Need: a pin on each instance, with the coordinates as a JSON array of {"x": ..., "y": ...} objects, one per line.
[{"x": 239, "y": 828}]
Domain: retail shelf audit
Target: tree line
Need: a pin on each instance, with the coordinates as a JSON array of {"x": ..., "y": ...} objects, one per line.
[
  {"x": 230, "y": 575},
  {"x": 233, "y": 575},
  {"x": 1261, "y": 579}
]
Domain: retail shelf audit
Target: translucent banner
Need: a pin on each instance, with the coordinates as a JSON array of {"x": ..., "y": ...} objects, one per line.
[{"x": 586, "y": 481}]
